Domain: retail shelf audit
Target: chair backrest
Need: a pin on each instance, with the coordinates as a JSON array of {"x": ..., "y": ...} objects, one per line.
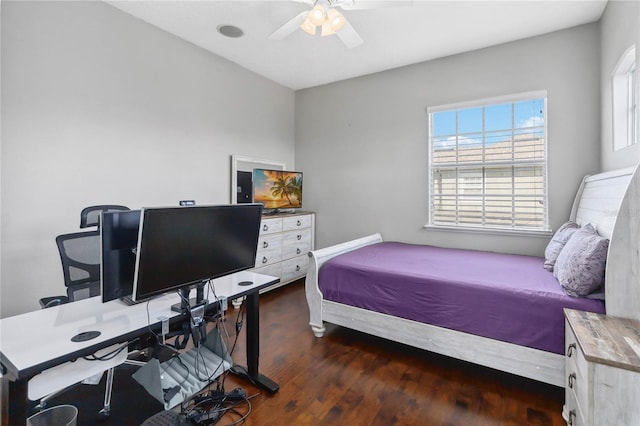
[
  {"x": 80, "y": 255},
  {"x": 90, "y": 216}
]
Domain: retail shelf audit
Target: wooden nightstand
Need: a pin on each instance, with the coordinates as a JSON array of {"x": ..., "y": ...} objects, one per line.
[{"x": 603, "y": 370}]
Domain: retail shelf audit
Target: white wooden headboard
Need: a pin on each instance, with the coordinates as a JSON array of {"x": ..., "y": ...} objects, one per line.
[{"x": 610, "y": 201}]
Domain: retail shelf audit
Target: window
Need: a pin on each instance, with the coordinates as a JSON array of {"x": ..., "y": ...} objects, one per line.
[
  {"x": 625, "y": 101},
  {"x": 488, "y": 164}
]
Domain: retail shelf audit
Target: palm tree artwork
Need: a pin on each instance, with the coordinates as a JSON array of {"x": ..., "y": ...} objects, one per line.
[{"x": 278, "y": 189}]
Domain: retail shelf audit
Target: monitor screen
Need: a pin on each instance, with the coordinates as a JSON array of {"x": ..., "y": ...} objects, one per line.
[
  {"x": 182, "y": 246},
  {"x": 277, "y": 189},
  {"x": 118, "y": 242}
]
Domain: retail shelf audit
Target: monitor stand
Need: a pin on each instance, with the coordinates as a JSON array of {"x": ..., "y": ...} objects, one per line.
[{"x": 186, "y": 303}]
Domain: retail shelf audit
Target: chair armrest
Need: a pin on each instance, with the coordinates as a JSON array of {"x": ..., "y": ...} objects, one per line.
[{"x": 47, "y": 302}]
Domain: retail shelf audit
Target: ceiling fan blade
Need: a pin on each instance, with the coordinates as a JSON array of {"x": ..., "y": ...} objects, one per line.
[
  {"x": 349, "y": 36},
  {"x": 373, "y": 4},
  {"x": 290, "y": 27}
]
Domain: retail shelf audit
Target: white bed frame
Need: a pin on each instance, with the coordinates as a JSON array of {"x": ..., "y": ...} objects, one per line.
[{"x": 610, "y": 201}]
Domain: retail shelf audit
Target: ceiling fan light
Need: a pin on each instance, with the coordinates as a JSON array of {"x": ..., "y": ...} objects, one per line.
[
  {"x": 317, "y": 15},
  {"x": 308, "y": 27},
  {"x": 326, "y": 29},
  {"x": 335, "y": 19}
]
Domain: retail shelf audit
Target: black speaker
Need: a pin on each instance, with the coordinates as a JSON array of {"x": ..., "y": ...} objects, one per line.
[{"x": 245, "y": 188}]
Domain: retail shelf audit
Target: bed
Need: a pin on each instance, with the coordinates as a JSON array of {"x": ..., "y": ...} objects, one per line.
[{"x": 470, "y": 325}]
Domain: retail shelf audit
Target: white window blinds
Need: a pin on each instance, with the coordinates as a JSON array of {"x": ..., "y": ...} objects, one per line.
[{"x": 488, "y": 164}]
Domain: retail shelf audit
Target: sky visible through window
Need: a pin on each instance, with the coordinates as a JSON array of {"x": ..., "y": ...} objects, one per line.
[{"x": 495, "y": 123}]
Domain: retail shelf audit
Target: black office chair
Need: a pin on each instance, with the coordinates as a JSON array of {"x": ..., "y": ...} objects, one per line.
[
  {"x": 80, "y": 256},
  {"x": 90, "y": 216}
]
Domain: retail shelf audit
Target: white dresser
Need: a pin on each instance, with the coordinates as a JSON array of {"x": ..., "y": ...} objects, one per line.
[
  {"x": 283, "y": 247},
  {"x": 603, "y": 370}
]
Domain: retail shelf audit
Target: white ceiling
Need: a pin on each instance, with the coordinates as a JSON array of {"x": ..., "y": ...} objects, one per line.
[{"x": 393, "y": 36}]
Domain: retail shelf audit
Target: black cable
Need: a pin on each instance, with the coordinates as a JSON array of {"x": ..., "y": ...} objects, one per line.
[
  {"x": 213, "y": 405},
  {"x": 161, "y": 344},
  {"x": 238, "y": 327},
  {"x": 182, "y": 364},
  {"x": 221, "y": 404},
  {"x": 108, "y": 356},
  {"x": 210, "y": 376},
  {"x": 232, "y": 409},
  {"x": 184, "y": 299}
]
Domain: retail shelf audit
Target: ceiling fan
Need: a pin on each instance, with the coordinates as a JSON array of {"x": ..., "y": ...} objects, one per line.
[{"x": 325, "y": 15}]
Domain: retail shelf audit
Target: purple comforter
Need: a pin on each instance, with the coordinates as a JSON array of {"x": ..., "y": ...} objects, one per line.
[{"x": 501, "y": 296}]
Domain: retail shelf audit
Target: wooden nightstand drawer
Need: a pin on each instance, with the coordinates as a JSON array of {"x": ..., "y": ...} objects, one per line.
[
  {"x": 571, "y": 413},
  {"x": 577, "y": 370},
  {"x": 603, "y": 369}
]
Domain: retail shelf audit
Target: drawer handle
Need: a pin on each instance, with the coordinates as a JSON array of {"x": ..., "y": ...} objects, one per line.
[
  {"x": 264, "y": 259},
  {"x": 572, "y": 417},
  {"x": 572, "y": 379},
  {"x": 299, "y": 237},
  {"x": 570, "y": 349},
  {"x": 265, "y": 227},
  {"x": 298, "y": 223},
  {"x": 298, "y": 251},
  {"x": 297, "y": 267},
  {"x": 265, "y": 244}
]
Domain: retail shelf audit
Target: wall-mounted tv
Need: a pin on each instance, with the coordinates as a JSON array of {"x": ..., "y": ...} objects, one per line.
[{"x": 277, "y": 189}]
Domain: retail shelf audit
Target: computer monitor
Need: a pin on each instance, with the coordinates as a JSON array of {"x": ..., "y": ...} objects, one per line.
[
  {"x": 179, "y": 247},
  {"x": 118, "y": 242}
]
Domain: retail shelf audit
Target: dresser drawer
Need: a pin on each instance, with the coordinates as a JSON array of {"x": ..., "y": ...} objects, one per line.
[
  {"x": 294, "y": 240},
  {"x": 294, "y": 250},
  {"x": 269, "y": 242},
  {"x": 295, "y": 268},
  {"x": 577, "y": 372},
  {"x": 296, "y": 222},
  {"x": 267, "y": 257},
  {"x": 571, "y": 413},
  {"x": 284, "y": 245},
  {"x": 274, "y": 270},
  {"x": 270, "y": 225}
]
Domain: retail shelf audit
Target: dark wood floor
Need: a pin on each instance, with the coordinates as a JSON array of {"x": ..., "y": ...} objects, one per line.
[
  {"x": 347, "y": 378},
  {"x": 350, "y": 378}
]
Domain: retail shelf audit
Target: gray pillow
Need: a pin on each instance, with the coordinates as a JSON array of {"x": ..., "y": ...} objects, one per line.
[
  {"x": 556, "y": 244},
  {"x": 580, "y": 265}
]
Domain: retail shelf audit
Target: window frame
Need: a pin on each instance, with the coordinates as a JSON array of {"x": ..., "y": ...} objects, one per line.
[
  {"x": 544, "y": 230},
  {"x": 624, "y": 101}
]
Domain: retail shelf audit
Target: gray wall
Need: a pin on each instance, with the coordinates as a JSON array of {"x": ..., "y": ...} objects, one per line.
[
  {"x": 99, "y": 107},
  {"x": 362, "y": 143},
  {"x": 620, "y": 29}
]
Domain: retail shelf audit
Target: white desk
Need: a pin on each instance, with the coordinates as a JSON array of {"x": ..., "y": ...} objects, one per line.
[{"x": 33, "y": 342}]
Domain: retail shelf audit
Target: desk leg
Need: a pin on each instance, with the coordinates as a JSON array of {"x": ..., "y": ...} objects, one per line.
[
  {"x": 253, "y": 345},
  {"x": 18, "y": 402}
]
